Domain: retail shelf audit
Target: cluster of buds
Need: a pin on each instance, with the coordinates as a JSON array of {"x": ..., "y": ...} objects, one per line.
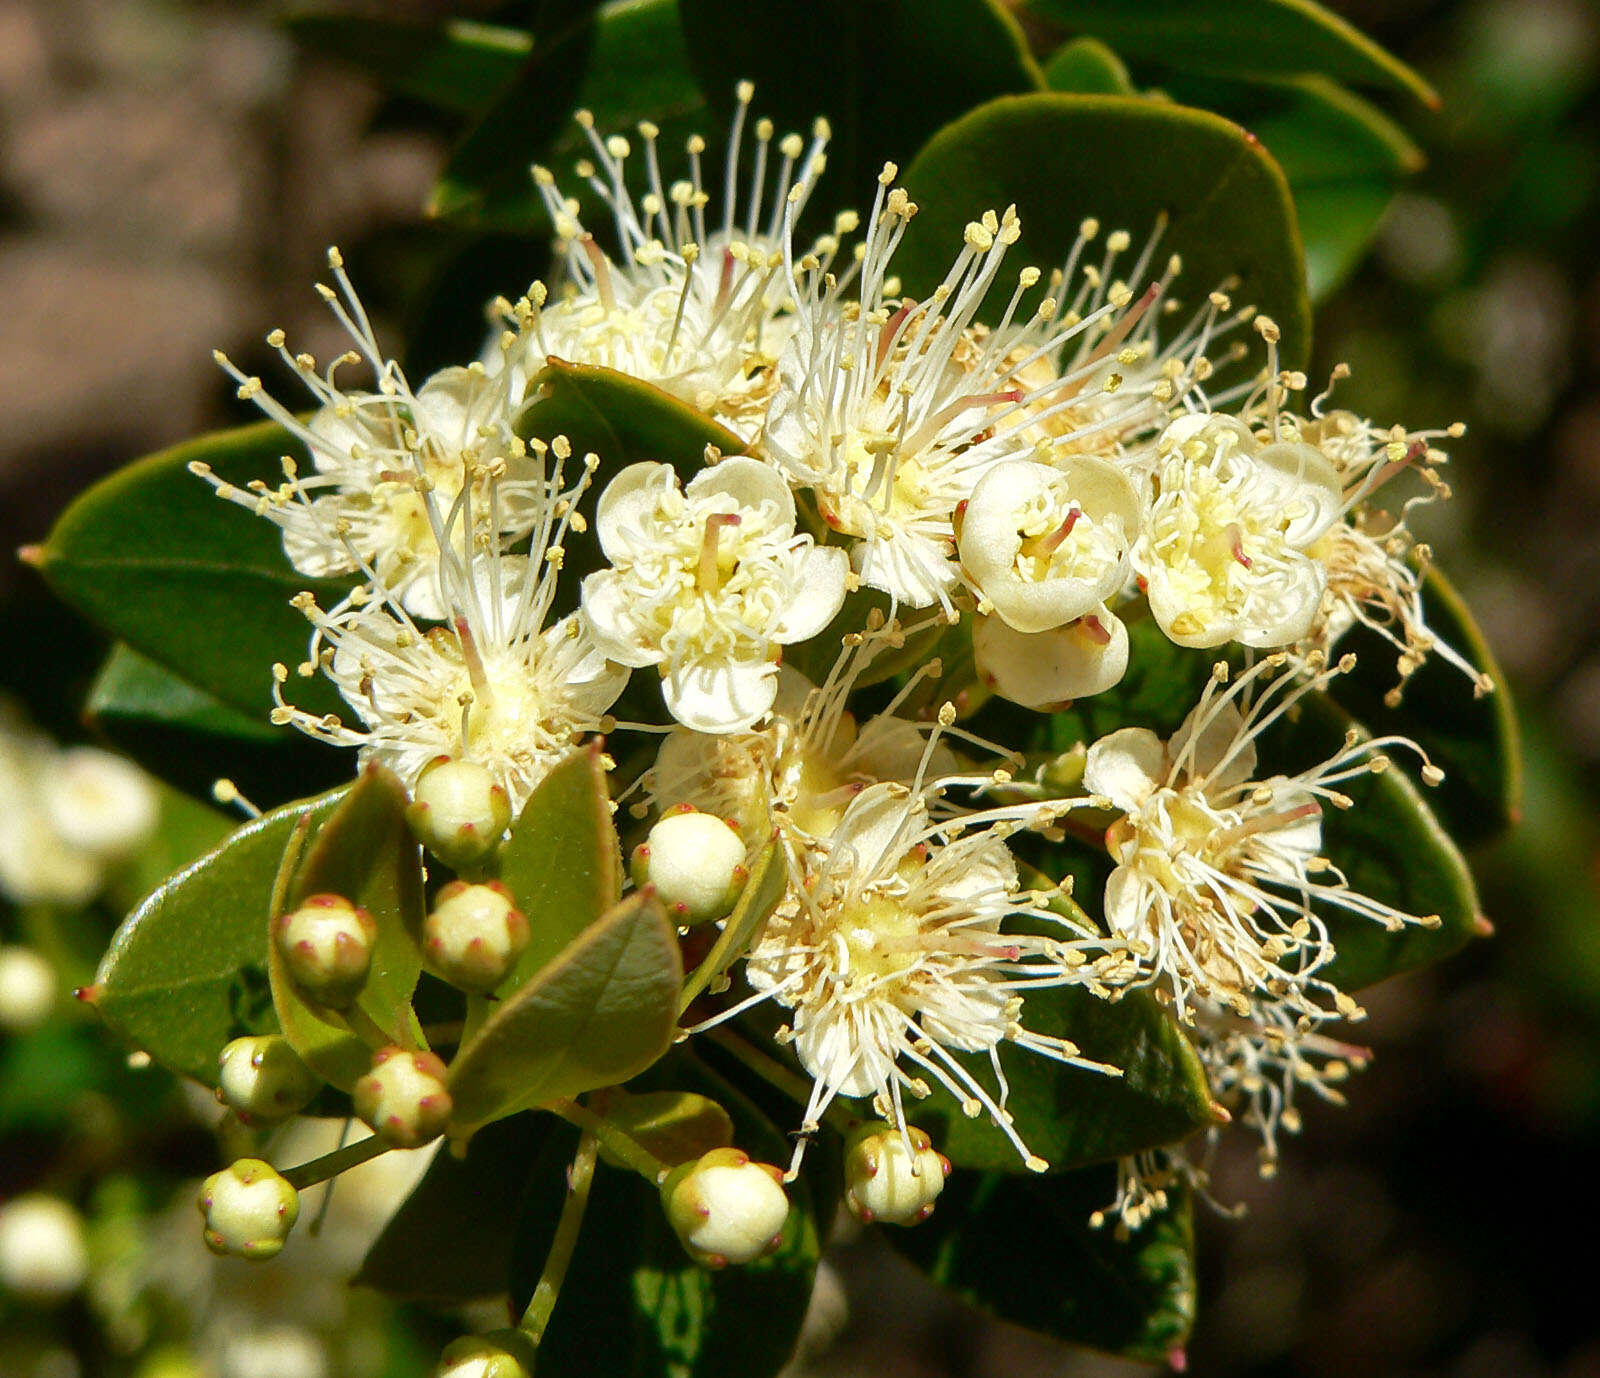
[
  {"x": 262, "y": 1079},
  {"x": 474, "y": 935},
  {"x": 695, "y": 861},
  {"x": 327, "y": 946},
  {"x": 404, "y": 1097},
  {"x": 725, "y": 1207},
  {"x": 458, "y": 811},
  {"x": 892, "y": 1176}
]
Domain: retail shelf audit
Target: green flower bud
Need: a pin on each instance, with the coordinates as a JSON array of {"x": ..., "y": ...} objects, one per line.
[
  {"x": 327, "y": 945},
  {"x": 474, "y": 935},
  {"x": 262, "y": 1078},
  {"x": 499, "y": 1354},
  {"x": 458, "y": 811},
  {"x": 696, "y": 863},
  {"x": 726, "y": 1208},
  {"x": 887, "y": 1182},
  {"x": 404, "y": 1097},
  {"x": 249, "y": 1210}
]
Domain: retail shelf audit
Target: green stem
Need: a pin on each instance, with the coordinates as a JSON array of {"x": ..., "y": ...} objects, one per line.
[
  {"x": 616, "y": 1141},
  {"x": 542, "y": 1305},
  {"x": 332, "y": 1164}
]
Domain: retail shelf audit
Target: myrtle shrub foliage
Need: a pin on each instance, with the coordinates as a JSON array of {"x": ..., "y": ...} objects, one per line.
[{"x": 877, "y": 682}]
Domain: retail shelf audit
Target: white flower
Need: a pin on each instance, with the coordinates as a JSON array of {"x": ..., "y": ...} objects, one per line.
[
  {"x": 1223, "y": 554},
  {"x": 708, "y": 584},
  {"x": 99, "y": 803},
  {"x": 698, "y": 308},
  {"x": 494, "y": 685},
  {"x": 386, "y": 465},
  {"x": 44, "y": 1256},
  {"x": 1220, "y": 887},
  {"x": 889, "y": 951},
  {"x": 891, "y": 410}
]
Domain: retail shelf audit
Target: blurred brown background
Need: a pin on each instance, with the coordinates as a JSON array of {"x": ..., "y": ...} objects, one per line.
[{"x": 170, "y": 174}]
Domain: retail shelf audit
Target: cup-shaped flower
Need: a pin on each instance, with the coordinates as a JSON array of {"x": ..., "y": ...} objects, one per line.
[
  {"x": 262, "y": 1078},
  {"x": 725, "y": 1207},
  {"x": 1048, "y": 670},
  {"x": 892, "y": 1176},
  {"x": 1046, "y": 544},
  {"x": 708, "y": 583},
  {"x": 474, "y": 935},
  {"x": 696, "y": 863},
  {"x": 249, "y": 1210},
  {"x": 1223, "y": 549},
  {"x": 404, "y": 1097}
]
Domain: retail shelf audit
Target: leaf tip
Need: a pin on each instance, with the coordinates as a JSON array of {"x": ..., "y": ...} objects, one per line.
[
  {"x": 1483, "y": 926},
  {"x": 90, "y": 994},
  {"x": 1219, "y": 1114},
  {"x": 31, "y": 555}
]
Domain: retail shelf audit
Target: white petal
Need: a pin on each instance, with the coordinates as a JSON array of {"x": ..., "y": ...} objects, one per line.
[
  {"x": 990, "y": 540},
  {"x": 878, "y": 827},
  {"x": 1305, "y": 488},
  {"x": 1126, "y": 766},
  {"x": 626, "y": 510},
  {"x": 607, "y": 609},
  {"x": 1046, "y": 670},
  {"x": 1221, "y": 731},
  {"x": 1281, "y": 612},
  {"x": 722, "y": 696},
  {"x": 1127, "y": 898},
  {"x": 819, "y": 591},
  {"x": 749, "y": 484}
]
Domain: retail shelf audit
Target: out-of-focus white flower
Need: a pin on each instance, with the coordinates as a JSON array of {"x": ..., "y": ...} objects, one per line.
[
  {"x": 28, "y": 988},
  {"x": 695, "y": 304},
  {"x": 1223, "y": 554},
  {"x": 99, "y": 803},
  {"x": 275, "y": 1351},
  {"x": 389, "y": 466},
  {"x": 707, "y": 584},
  {"x": 43, "y": 1255},
  {"x": 494, "y": 685}
]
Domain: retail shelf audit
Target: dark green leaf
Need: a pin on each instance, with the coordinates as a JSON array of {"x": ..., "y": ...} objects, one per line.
[
  {"x": 363, "y": 851},
  {"x": 1391, "y": 847},
  {"x": 132, "y": 687},
  {"x": 187, "y": 829},
  {"x": 1052, "y": 155},
  {"x": 625, "y": 63},
  {"x": 1070, "y": 1116},
  {"x": 562, "y": 860},
  {"x": 885, "y": 75},
  {"x": 1089, "y": 68},
  {"x": 1254, "y": 38},
  {"x": 1022, "y": 1249},
  {"x": 458, "y": 65},
  {"x": 634, "y": 1304},
  {"x": 601, "y": 1012},
  {"x": 452, "y": 1238},
  {"x": 769, "y": 878},
  {"x": 198, "y": 585},
  {"x": 187, "y": 971},
  {"x": 674, "y": 1126},
  {"x": 1474, "y": 740}
]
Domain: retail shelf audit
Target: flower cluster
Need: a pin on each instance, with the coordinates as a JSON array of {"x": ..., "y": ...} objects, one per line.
[{"x": 999, "y": 475}]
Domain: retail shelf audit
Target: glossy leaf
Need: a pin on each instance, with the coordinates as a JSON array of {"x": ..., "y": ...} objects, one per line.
[
  {"x": 769, "y": 878},
  {"x": 562, "y": 861},
  {"x": 1258, "y": 38},
  {"x": 674, "y": 1126},
  {"x": 634, "y": 1304},
  {"x": 132, "y": 687},
  {"x": 1022, "y": 1249},
  {"x": 600, "y": 1013},
  {"x": 1070, "y": 1116},
  {"x": 363, "y": 851},
  {"x": 624, "y": 63},
  {"x": 1049, "y": 154},
  {"x": 187, "y": 971},
  {"x": 885, "y": 75},
  {"x": 1474, "y": 740},
  {"x": 451, "y": 1239},
  {"x": 187, "y": 829},
  {"x": 459, "y": 65},
  {"x": 1391, "y": 847},
  {"x": 196, "y": 584},
  {"x": 1089, "y": 68}
]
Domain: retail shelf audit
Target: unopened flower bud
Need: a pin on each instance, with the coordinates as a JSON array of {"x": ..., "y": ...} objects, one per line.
[
  {"x": 27, "y": 989},
  {"x": 458, "y": 811},
  {"x": 42, "y": 1253},
  {"x": 726, "y": 1208},
  {"x": 249, "y": 1210},
  {"x": 889, "y": 1183},
  {"x": 263, "y": 1078},
  {"x": 327, "y": 945},
  {"x": 696, "y": 863},
  {"x": 499, "y": 1354},
  {"x": 474, "y": 935},
  {"x": 404, "y": 1097}
]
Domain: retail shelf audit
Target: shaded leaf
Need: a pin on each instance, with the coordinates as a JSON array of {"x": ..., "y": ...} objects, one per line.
[
  {"x": 865, "y": 67},
  {"x": 1088, "y": 67},
  {"x": 600, "y": 1013},
  {"x": 1022, "y": 1249},
  {"x": 562, "y": 860},
  {"x": 1258, "y": 38},
  {"x": 459, "y": 65},
  {"x": 196, "y": 584},
  {"x": 769, "y": 878},
  {"x": 1230, "y": 213},
  {"x": 451, "y": 1240},
  {"x": 1070, "y": 1116},
  {"x": 674, "y": 1126},
  {"x": 131, "y": 686},
  {"x": 187, "y": 971}
]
